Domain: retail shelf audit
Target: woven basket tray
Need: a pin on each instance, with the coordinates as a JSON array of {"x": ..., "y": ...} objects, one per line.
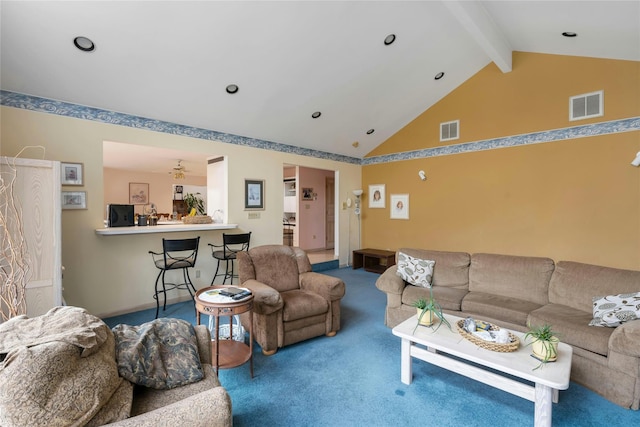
[
  {"x": 198, "y": 219},
  {"x": 493, "y": 346}
]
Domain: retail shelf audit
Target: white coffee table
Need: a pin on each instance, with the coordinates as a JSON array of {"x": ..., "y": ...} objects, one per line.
[{"x": 441, "y": 344}]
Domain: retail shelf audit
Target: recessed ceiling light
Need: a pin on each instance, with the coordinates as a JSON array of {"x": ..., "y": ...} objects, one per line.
[
  {"x": 316, "y": 114},
  {"x": 232, "y": 89},
  {"x": 370, "y": 131},
  {"x": 84, "y": 44},
  {"x": 570, "y": 34},
  {"x": 439, "y": 75},
  {"x": 389, "y": 39}
]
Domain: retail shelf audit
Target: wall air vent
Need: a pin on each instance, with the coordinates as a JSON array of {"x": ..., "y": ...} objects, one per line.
[
  {"x": 586, "y": 105},
  {"x": 450, "y": 130}
]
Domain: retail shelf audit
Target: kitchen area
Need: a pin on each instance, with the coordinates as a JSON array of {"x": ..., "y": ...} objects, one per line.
[
  {"x": 308, "y": 218},
  {"x": 290, "y": 208}
]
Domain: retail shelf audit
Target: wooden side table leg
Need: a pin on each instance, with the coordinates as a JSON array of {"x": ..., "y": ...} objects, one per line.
[
  {"x": 251, "y": 342},
  {"x": 217, "y": 342}
]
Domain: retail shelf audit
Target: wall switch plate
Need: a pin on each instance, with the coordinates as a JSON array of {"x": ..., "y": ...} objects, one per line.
[{"x": 254, "y": 215}]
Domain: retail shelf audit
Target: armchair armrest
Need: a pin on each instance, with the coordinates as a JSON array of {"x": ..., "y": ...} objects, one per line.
[
  {"x": 208, "y": 408},
  {"x": 331, "y": 288},
  {"x": 390, "y": 282},
  {"x": 625, "y": 339},
  {"x": 266, "y": 300}
]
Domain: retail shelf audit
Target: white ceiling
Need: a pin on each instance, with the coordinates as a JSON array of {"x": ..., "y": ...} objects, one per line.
[{"x": 171, "y": 60}]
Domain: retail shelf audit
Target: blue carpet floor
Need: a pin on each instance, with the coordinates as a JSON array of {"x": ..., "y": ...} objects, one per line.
[{"x": 353, "y": 379}]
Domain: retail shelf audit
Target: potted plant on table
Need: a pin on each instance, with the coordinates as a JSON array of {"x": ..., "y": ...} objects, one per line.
[
  {"x": 194, "y": 201},
  {"x": 544, "y": 343},
  {"x": 426, "y": 309}
]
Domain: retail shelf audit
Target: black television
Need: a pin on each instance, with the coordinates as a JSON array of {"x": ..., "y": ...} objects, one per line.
[{"x": 120, "y": 216}]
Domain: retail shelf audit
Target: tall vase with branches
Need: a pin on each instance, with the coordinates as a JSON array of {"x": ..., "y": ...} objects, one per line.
[{"x": 14, "y": 258}]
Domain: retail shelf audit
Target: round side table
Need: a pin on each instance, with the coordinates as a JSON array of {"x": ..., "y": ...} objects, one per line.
[{"x": 227, "y": 353}]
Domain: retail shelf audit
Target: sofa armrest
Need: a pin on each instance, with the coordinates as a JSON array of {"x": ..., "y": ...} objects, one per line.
[
  {"x": 266, "y": 300},
  {"x": 625, "y": 339},
  {"x": 208, "y": 408},
  {"x": 331, "y": 288},
  {"x": 389, "y": 282}
]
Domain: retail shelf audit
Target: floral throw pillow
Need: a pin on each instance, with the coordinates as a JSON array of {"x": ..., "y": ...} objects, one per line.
[
  {"x": 415, "y": 271},
  {"x": 613, "y": 310}
]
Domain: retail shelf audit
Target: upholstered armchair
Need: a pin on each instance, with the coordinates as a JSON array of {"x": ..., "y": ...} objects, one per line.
[{"x": 291, "y": 303}]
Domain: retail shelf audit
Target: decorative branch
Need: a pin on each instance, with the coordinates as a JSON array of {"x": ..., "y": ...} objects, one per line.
[{"x": 15, "y": 269}]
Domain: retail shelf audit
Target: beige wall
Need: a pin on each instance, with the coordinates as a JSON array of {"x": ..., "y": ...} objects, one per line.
[
  {"x": 576, "y": 199},
  {"x": 114, "y": 274}
]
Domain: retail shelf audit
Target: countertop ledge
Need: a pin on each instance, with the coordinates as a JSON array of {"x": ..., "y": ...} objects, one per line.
[{"x": 163, "y": 228}]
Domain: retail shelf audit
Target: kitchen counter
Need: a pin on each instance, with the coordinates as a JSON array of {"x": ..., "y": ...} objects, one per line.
[{"x": 163, "y": 227}]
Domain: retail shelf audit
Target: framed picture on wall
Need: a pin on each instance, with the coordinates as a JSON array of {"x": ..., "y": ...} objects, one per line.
[
  {"x": 399, "y": 206},
  {"x": 74, "y": 200},
  {"x": 253, "y": 194},
  {"x": 138, "y": 193},
  {"x": 308, "y": 194},
  {"x": 376, "y": 196},
  {"x": 71, "y": 173}
]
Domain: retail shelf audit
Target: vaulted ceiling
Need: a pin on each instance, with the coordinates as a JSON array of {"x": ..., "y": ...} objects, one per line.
[{"x": 173, "y": 60}]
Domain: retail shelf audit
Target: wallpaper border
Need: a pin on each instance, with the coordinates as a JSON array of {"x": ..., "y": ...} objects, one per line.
[{"x": 61, "y": 108}]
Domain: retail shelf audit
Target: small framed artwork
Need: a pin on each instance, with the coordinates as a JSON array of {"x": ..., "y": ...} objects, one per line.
[
  {"x": 307, "y": 194},
  {"x": 253, "y": 194},
  {"x": 71, "y": 173},
  {"x": 376, "y": 196},
  {"x": 399, "y": 206},
  {"x": 74, "y": 200},
  {"x": 138, "y": 193}
]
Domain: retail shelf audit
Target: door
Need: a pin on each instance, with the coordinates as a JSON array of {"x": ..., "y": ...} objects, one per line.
[
  {"x": 330, "y": 214},
  {"x": 37, "y": 188}
]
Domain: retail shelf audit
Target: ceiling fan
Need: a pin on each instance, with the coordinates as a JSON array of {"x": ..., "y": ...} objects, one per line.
[{"x": 178, "y": 170}]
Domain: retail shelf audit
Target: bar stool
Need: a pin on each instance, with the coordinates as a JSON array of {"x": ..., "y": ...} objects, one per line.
[
  {"x": 231, "y": 245},
  {"x": 175, "y": 255}
]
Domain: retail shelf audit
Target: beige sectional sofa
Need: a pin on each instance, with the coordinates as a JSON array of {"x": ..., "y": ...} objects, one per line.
[{"x": 512, "y": 291}]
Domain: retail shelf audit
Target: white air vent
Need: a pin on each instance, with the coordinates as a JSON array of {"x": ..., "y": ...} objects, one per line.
[
  {"x": 450, "y": 130},
  {"x": 586, "y": 106}
]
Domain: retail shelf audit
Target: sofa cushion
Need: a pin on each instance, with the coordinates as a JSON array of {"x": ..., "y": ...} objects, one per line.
[
  {"x": 451, "y": 268},
  {"x": 509, "y": 309},
  {"x": 572, "y": 326},
  {"x": 613, "y": 310},
  {"x": 575, "y": 284},
  {"x": 161, "y": 354},
  {"x": 415, "y": 271},
  {"x": 519, "y": 277},
  {"x": 448, "y": 298},
  {"x": 299, "y": 304},
  {"x": 147, "y": 399}
]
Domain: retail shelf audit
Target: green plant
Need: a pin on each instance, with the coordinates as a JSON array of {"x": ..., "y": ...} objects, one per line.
[
  {"x": 430, "y": 304},
  {"x": 192, "y": 201},
  {"x": 544, "y": 343}
]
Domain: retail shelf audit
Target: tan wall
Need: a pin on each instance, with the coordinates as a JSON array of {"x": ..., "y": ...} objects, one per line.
[
  {"x": 114, "y": 274},
  {"x": 577, "y": 199}
]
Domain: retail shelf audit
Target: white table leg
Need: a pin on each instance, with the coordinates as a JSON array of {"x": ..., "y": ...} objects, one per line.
[
  {"x": 543, "y": 406},
  {"x": 405, "y": 362}
]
